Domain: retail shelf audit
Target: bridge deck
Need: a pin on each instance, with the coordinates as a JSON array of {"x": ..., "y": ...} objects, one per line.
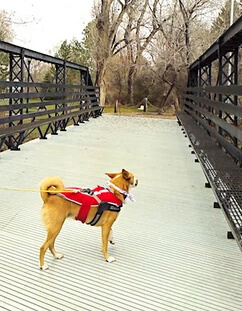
[{"x": 171, "y": 246}]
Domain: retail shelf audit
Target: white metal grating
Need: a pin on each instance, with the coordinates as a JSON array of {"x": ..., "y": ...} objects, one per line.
[{"x": 171, "y": 246}]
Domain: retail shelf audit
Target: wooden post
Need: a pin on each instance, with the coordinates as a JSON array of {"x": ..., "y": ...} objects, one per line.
[
  {"x": 116, "y": 106},
  {"x": 145, "y": 104}
]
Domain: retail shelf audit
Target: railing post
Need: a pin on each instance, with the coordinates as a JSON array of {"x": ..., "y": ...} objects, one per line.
[
  {"x": 220, "y": 80},
  {"x": 28, "y": 80},
  {"x": 193, "y": 77},
  {"x": 16, "y": 75},
  {"x": 60, "y": 78},
  {"x": 228, "y": 75}
]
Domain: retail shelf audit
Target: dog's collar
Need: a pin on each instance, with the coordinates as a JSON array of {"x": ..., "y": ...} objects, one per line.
[{"x": 125, "y": 193}]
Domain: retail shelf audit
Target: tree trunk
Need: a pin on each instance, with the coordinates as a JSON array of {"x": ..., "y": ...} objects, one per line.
[
  {"x": 130, "y": 95},
  {"x": 187, "y": 42},
  {"x": 135, "y": 55},
  {"x": 100, "y": 80},
  {"x": 107, "y": 27},
  {"x": 102, "y": 51},
  {"x": 103, "y": 93},
  {"x": 166, "y": 98}
]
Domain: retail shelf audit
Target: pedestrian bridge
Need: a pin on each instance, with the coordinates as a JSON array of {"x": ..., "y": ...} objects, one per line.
[{"x": 171, "y": 247}]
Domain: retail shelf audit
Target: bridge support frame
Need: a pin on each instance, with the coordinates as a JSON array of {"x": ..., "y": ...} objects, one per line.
[
  {"x": 16, "y": 73},
  {"x": 228, "y": 75},
  {"x": 224, "y": 69}
]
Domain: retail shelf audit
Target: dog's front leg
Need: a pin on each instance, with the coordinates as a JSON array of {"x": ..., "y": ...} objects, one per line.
[
  {"x": 106, "y": 228},
  {"x": 110, "y": 237}
]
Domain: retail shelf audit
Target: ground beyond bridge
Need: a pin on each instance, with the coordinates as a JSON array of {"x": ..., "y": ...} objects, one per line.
[{"x": 171, "y": 246}]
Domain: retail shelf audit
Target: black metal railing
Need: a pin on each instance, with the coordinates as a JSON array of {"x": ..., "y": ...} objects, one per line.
[
  {"x": 212, "y": 119},
  {"x": 218, "y": 107},
  {"x": 30, "y": 109},
  {"x": 211, "y": 115}
]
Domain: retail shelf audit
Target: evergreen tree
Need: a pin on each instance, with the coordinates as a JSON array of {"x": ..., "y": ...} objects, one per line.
[
  {"x": 64, "y": 51},
  {"x": 222, "y": 22},
  {"x": 76, "y": 51}
]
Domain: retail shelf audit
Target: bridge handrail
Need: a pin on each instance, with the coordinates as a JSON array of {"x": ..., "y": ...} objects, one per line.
[
  {"x": 223, "y": 175},
  {"x": 208, "y": 113},
  {"x": 28, "y": 106},
  {"x": 10, "y": 48},
  {"x": 44, "y": 108},
  {"x": 212, "y": 118}
]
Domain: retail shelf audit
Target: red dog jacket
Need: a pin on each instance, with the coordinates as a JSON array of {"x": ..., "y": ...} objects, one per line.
[{"x": 85, "y": 200}]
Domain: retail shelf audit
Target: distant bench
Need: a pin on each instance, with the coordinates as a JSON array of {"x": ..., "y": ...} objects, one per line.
[{"x": 223, "y": 175}]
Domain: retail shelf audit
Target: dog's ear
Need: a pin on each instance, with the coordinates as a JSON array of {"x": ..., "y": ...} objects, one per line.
[
  {"x": 111, "y": 175},
  {"x": 125, "y": 174}
]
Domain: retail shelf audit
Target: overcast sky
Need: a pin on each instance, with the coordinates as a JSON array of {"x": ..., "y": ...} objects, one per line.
[{"x": 50, "y": 21}]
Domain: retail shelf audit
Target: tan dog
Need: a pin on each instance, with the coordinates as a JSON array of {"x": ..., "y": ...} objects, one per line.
[{"x": 56, "y": 209}]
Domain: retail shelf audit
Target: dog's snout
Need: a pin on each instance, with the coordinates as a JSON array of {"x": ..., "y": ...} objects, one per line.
[{"x": 136, "y": 182}]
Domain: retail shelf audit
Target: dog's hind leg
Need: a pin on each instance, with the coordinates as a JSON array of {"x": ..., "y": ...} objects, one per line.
[
  {"x": 53, "y": 252},
  {"x": 49, "y": 243}
]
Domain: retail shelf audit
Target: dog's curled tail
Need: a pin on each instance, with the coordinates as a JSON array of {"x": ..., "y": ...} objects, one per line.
[{"x": 52, "y": 184}]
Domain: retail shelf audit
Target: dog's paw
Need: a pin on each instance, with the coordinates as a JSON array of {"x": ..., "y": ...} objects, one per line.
[
  {"x": 44, "y": 267},
  {"x": 110, "y": 259},
  {"x": 58, "y": 255}
]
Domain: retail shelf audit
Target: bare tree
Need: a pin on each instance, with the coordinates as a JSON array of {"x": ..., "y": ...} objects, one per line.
[
  {"x": 135, "y": 26},
  {"x": 121, "y": 24},
  {"x": 188, "y": 13},
  {"x": 8, "y": 19},
  {"x": 6, "y": 31},
  {"x": 109, "y": 16},
  {"x": 181, "y": 40},
  {"x": 141, "y": 28}
]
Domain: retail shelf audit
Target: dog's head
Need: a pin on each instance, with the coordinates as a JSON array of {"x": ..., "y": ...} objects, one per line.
[
  {"x": 123, "y": 178},
  {"x": 121, "y": 182}
]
